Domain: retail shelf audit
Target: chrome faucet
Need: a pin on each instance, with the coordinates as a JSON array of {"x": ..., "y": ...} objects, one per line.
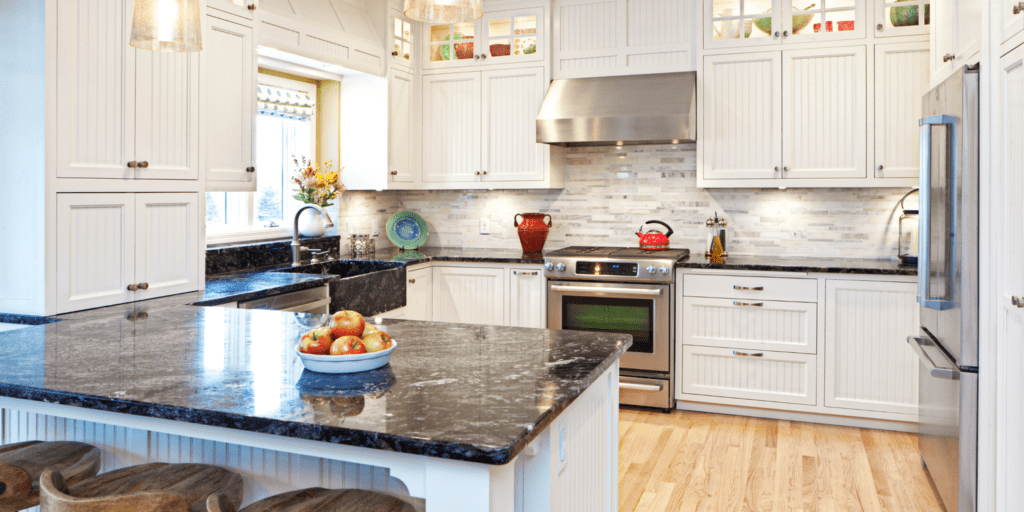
[{"x": 297, "y": 248}]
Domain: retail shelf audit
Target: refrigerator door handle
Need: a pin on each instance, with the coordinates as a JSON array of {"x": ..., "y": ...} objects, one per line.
[
  {"x": 924, "y": 295},
  {"x": 950, "y": 373}
]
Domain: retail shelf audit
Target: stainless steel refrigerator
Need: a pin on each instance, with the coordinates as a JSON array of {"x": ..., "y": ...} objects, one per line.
[{"x": 947, "y": 289}]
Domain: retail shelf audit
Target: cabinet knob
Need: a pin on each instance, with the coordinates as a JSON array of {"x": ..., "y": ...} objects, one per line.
[
  {"x": 776, "y": 168},
  {"x": 879, "y": 27},
  {"x": 143, "y": 286},
  {"x": 1017, "y": 301},
  {"x": 485, "y": 173},
  {"x": 394, "y": 54},
  {"x": 776, "y": 34},
  {"x": 483, "y": 55},
  {"x": 143, "y": 164},
  {"x": 252, "y": 7},
  {"x": 880, "y": 167},
  {"x": 948, "y": 57},
  {"x": 133, "y": 287},
  {"x": 250, "y": 169},
  {"x": 785, "y": 33},
  {"x": 476, "y": 57},
  {"x": 412, "y": 281},
  {"x": 394, "y": 173},
  {"x": 785, "y": 169},
  {"x": 478, "y": 173},
  {"x": 1017, "y": 8},
  {"x": 132, "y": 164}
]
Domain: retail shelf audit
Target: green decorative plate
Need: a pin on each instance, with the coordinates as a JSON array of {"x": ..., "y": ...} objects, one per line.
[{"x": 407, "y": 230}]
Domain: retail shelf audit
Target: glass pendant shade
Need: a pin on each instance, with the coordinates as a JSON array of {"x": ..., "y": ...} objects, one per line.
[
  {"x": 167, "y": 26},
  {"x": 444, "y": 11}
]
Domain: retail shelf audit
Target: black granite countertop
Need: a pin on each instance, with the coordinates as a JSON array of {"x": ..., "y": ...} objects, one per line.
[
  {"x": 822, "y": 265},
  {"x": 466, "y": 392},
  {"x": 428, "y": 254},
  {"x": 256, "y": 285}
]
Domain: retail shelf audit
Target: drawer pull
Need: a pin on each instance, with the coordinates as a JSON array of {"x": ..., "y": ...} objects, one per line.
[
  {"x": 748, "y": 304},
  {"x": 412, "y": 281},
  {"x": 641, "y": 387},
  {"x": 524, "y": 272},
  {"x": 748, "y": 288},
  {"x": 747, "y": 354}
]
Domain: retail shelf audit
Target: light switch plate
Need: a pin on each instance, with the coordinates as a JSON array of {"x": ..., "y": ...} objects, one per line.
[
  {"x": 375, "y": 227},
  {"x": 485, "y": 226},
  {"x": 563, "y": 446}
]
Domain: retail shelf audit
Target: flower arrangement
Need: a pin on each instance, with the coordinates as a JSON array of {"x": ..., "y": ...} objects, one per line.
[{"x": 317, "y": 185}]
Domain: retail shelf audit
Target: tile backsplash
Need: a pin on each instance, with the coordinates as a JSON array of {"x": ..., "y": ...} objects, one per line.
[{"x": 610, "y": 192}]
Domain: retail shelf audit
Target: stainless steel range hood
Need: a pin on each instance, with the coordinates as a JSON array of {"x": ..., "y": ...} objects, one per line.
[{"x": 617, "y": 110}]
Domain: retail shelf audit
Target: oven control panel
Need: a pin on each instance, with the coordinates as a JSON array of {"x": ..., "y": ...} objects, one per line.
[{"x": 607, "y": 268}]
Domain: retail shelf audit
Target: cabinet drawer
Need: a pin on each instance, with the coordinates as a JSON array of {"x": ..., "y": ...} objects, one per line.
[
  {"x": 770, "y": 376},
  {"x": 761, "y": 325},
  {"x": 751, "y": 287}
]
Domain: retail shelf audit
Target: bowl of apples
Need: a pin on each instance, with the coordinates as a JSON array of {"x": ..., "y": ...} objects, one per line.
[{"x": 347, "y": 344}]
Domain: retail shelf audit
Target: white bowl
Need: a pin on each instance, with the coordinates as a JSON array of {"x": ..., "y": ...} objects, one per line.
[{"x": 351, "y": 363}]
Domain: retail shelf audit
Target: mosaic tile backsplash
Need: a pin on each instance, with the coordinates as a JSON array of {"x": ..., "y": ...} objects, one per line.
[{"x": 610, "y": 192}]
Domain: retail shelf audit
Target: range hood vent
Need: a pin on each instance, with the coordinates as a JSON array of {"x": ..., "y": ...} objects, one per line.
[{"x": 620, "y": 110}]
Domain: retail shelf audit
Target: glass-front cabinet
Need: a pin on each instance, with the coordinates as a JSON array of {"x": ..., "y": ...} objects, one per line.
[
  {"x": 735, "y": 23},
  {"x": 402, "y": 40},
  {"x": 503, "y": 37},
  {"x": 902, "y": 17}
]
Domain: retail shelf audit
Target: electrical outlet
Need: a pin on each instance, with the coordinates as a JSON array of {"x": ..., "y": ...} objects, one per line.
[
  {"x": 485, "y": 226},
  {"x": 375, "y": 227}
]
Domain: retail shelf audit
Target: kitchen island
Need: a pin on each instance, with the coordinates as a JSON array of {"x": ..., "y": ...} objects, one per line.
[{"x": 464, "y": 418}]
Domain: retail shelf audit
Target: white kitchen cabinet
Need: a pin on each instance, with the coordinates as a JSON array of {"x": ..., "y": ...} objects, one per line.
[
  {"x": 955, "y": 36},
  {"x": 622, "y": 37},
  {"x": 902, "y": 17},
  {"x": 125, "y": 113},
  {"x": 527, "y": 298},
  {"x": 418, "y": 296},
  {"x": 901, "y": 80},
  {"x": 511, "y": 99},
  {"x": 401, "y": 126},
  {"x": 1010, "y": 20},
  {"x": 109, "y": 244},
  {"x": 451, "y": 127},
  {"x": 868, "y": 363},
  {"x": 742, "y": 109},
  {"x": 824, "y": 113},
  {"x": 230, "y": 104},
  {"x": 751, "y": 325},
  {"x": 504, "y": 37},
  {"x": 747, "y": 23},
  {"x": 469, "y": 295},
  {"x": 761, "y": 375},
  {"x": 402, "y": 37},
  {"x": 241, "y": 8}
]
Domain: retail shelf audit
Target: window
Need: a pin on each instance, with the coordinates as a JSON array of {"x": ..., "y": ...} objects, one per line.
[{"x": 285, "y": 129}]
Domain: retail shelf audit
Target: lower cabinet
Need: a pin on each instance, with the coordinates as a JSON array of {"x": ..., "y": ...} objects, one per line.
[
  {"x": 117, "y": 248},
  {"x": 418, "y": 288},
  {"x": 527, "y": 298},
  {"x": 767, "y": 376},
  {"x": 469, "y": 295},
  {"x": 868, "y": 363},
  {"x": 750, "y": 325}
]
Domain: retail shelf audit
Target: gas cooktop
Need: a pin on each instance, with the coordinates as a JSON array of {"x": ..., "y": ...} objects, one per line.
[{"x": 612, "y": 264}]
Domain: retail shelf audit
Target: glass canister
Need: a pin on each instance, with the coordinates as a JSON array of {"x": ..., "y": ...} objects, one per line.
[
  {"x": 909, "y": 225},
  {"x": 716, "y": 232}
]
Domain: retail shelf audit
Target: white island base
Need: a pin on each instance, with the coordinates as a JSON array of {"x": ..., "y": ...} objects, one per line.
[{"x": 584, "y": 479}]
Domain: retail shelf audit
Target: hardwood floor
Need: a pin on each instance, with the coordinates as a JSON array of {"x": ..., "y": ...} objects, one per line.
[{"x": 687, "y": 461}]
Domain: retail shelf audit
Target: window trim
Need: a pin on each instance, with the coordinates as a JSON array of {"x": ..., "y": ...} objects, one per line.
[{"x": 256, "y": 233}]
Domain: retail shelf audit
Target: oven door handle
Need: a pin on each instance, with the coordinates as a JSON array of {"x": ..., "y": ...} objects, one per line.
[
  {"x": 641, "y": 387},
  {"x": 605, "y": 289}
]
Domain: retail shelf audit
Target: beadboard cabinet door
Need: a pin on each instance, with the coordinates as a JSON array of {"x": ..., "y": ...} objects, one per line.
[
  {"x": 95, "y": 89},
  {"x": 868, "y": 363},
  {"x": 742, "y": 109},
  {"x": 401, "y": 135},
  {"x": 167, "y": 115},
  {"x": 166, "y": 244},
  {"x": 824, "y": 113},
  {"x": 511, "y": 100},
  {"x": 469, "y": 295},
  {"x": 451, "y": 127},
  {"x": 95, "y": 250},
  {"x": 527, "y": 298},
  {"x": 418, "y": 296},
  {"x": 901, "y": 80},
  {"x": 230, "y": 104},
  {"x": 766, "y": 376}
]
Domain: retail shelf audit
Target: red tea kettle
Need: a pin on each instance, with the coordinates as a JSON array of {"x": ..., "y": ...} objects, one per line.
[{"x": 654, "y": 240}]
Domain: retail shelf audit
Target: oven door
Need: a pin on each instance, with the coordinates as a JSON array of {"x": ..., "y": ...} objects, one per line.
[{"x": 641, "y": 310}]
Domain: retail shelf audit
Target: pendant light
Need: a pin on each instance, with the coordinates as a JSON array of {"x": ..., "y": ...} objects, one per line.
[
  {"x": 444, "y": 11},
  {"x": 167, "y": 26}
]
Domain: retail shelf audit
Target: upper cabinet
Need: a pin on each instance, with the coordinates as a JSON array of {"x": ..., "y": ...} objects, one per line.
[
  {"x": 622, "y": 37},
  {"x": 1010, "y": 21},
  {"x": 502, "y": 37},
  {"x": 901, "y": 74},
  {"x": 902, "y": 17},
  {"x": 744, "y": 23},
  {"x": 240, "y": 8},
  {"x": 402, "y": 46},
  {"x": 955, "y": 36},
  {"x": 229, "y": 104},
  {"x": 145, "y": 124}
]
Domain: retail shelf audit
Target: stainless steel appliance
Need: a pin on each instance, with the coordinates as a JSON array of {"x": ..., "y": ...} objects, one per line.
[
  {"x": 629, "y": 291},
  {"x": 315, "y": 301},
  {"x": 617, "y": 110},
  {"x": 947, "y": 273}
]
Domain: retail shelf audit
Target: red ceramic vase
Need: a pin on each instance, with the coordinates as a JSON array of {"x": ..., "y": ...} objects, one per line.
[{"x": 533, "y": 231}]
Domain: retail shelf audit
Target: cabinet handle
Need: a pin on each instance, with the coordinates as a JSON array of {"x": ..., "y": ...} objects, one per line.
[
  {"x": 879, "y": 27},
  {"x": 132, "y": 164},
  {"x": 1018, "y": 8},
  {"x": 1017, "y": 301},
  {"x": 748, "y": 288},
  {"x": 412, "y": 281},
  {"x": 394, "y": 53},
  {"x": 252, "y": 7},
  {"x": 143, "y": 164},
  {"x": 143, "y": 286},
  {"x": 785, "y": 33},
  {"x": 133, "y": 287},
  {"x": 776, "y": 34},
  {"x": 785, "y": 169},
  {"x": 880, "y": 167},
  {"x": 394, "y": 173},
  {"x": 948, "y": 57},
  {"x": 776, "y": 168},
  {"x": 748, "y": 304},
  {"x": 483, "y": 55},
  {"x": 250, "y": 169},
  {"x": 747, "y": 354},
  {"x": 524, "y": 273},
  {"x": 476, "y": 57}
]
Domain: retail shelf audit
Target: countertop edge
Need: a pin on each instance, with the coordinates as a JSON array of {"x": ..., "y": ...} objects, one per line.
[{"x": 315, "y": 280}]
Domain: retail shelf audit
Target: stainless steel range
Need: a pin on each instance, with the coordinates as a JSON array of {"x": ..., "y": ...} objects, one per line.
[{"x": 628, "y": 291}]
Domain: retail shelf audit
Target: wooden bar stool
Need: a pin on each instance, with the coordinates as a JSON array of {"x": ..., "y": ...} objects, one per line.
[
  {"x": 317, "y": 499},
  {"x": 155, "y": 487},
  {"x": 22, "y": 463}
]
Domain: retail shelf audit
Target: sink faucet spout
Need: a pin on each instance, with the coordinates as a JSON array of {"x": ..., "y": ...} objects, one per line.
[{"x": 297, "y": 248}]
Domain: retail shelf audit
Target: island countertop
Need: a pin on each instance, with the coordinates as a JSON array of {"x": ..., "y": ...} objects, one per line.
[{"x": 457, "y": 391}]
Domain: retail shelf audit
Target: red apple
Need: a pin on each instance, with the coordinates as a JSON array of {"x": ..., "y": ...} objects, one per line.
[
  {"x": 318, "y": 341},
  {"x": 347, "y": 323},
  {"x": 347, "y": 345},
  {"x": 376, "y": 341}
]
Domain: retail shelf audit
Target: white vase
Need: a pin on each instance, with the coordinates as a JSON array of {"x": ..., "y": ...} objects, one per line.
[{"x": 311, "y": 223}]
